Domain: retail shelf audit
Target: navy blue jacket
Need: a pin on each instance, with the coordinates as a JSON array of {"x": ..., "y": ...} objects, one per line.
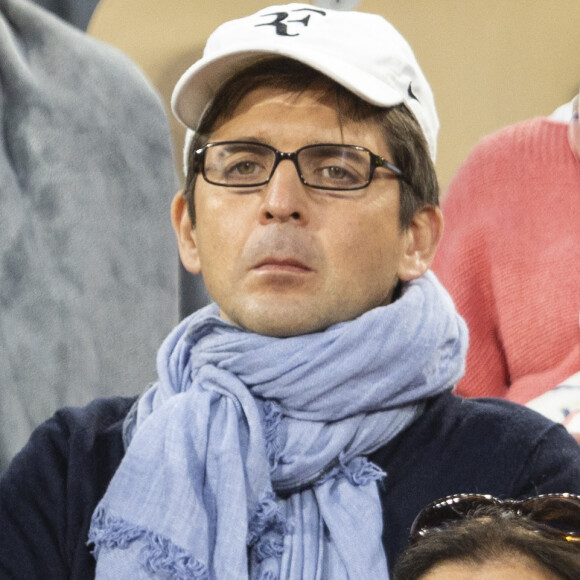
[{"x": 51, "y": 488}]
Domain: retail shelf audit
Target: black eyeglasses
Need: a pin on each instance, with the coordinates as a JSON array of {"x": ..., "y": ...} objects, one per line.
[
  {"x": 322, "y": 166},
  {"x": 556, "y": 514}
]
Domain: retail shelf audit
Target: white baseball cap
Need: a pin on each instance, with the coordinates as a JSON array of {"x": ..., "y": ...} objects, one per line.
[{"x": 361, "y": 51}]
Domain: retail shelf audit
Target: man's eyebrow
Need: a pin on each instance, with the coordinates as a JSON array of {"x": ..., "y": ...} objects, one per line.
[
  {"x": 246, "y": 138},
  {"x": 268, "y": 141}
]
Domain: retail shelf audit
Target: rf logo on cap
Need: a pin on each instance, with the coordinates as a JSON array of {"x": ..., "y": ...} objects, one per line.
[{"x": 281, "y": 18}]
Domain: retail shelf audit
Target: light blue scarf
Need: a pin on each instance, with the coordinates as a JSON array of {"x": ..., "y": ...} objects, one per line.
[{"x": 246, "y": 458}]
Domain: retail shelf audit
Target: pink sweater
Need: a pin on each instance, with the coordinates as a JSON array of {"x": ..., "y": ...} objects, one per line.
[{"x": 510, "y": 257}]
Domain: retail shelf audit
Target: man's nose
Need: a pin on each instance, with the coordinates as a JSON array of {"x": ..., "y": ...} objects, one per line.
[{"x": 285, "y": 196}]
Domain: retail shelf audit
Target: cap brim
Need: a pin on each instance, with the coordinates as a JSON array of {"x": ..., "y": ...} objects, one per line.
[{"x": 199, "y": 84}]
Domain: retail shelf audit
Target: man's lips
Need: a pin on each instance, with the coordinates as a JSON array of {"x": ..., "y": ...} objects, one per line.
[
  {"x": 282, "y": 264},
  {"x": 282, "y": 249}
]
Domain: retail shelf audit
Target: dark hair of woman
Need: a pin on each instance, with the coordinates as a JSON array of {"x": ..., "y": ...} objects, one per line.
[{"x": 491, "y": 533}]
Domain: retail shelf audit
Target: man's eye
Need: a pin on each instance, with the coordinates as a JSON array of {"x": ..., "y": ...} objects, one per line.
[
  {"x": 339, "y": 175},
  {"x": 244, "y": 168},
  {"x": 334, "y": 172}
]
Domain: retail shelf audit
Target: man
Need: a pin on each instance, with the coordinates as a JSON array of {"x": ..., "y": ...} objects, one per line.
[{"x": 301, "y": 421}]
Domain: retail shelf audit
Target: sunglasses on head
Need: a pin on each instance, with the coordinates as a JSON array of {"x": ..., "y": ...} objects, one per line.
[{"x": 556, "y": 514}]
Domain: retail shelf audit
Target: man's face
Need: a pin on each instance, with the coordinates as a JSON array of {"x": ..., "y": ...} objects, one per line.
[{"x": 284, "y": 259}]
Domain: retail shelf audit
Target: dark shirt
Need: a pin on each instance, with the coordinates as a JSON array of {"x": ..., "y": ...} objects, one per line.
[{"x": 50, "y": 490}]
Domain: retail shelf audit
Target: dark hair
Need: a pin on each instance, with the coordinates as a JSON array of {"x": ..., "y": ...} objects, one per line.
[
  {"x": 403, "y": 135},
  {"x": 489, "y": 533}
]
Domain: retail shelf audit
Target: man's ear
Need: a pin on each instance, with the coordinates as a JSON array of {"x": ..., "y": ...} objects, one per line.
[
  {"x": 422, "y": 239},
  {"x": 186, "y": 238}
]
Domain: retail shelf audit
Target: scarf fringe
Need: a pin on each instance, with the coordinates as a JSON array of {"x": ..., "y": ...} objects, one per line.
[
  {"x": 359, "y": 471},
  {"x": 158, "y": 554},
  {"x": 269, "y": 547},
  {"x": 266, "y": 531},
  {"x": 271, "y": 422},
  {"x": 266, "y": 523}
]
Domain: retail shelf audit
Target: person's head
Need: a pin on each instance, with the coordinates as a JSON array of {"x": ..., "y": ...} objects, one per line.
[
  {"x": 282, "y": 253},
  {"x": 482, "y": 538},
  {"x": 507, "y": 566}
]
